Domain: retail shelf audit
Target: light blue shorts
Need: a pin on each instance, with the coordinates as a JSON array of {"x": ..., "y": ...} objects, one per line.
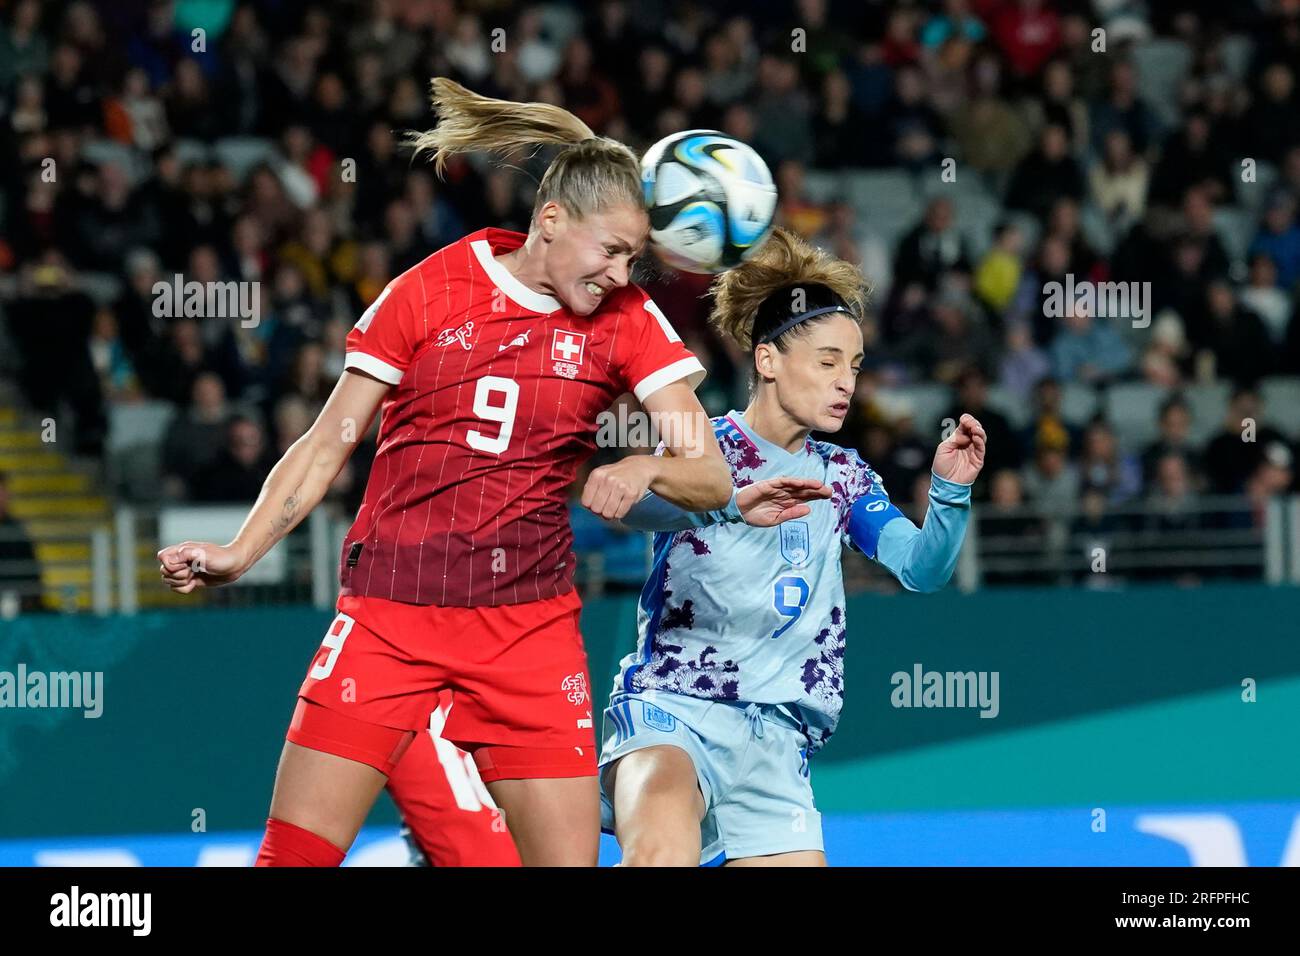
[{"x": 751, "y": 762}]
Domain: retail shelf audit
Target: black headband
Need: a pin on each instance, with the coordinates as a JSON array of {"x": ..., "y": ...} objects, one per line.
[{"x": 774, "y": 314}]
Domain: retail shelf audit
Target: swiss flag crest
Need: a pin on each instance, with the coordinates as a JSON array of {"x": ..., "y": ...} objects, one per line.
[{"x": 568, "y": 347}]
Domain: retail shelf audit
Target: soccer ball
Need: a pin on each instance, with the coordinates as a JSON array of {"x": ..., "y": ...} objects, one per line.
[{"x": 710, "y": 198}]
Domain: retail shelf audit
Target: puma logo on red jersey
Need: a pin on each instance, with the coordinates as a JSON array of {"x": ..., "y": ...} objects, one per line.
[{"x": 520, "y": 339}]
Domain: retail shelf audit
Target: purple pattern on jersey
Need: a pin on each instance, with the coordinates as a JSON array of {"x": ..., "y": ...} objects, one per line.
[
  {"x": 698, "y": 677},
  {"x": 853, "y": 479},
  {"x": 701, "y": 676},
  {"x": 692, "y": 537},
  {"x": 823, "y": 675},
  {"x": 740, "y": 453}
]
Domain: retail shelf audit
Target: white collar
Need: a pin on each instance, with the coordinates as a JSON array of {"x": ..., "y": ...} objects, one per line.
[{"x": 505, "y": 280}]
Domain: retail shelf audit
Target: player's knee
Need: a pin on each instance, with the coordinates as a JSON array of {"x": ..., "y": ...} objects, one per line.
[
  {"x": 658, "y": 850},
  {"x": 287, "y": 844}
]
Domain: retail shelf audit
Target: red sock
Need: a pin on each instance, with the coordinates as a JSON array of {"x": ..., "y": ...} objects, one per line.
[{"x": 287, "y": 845}]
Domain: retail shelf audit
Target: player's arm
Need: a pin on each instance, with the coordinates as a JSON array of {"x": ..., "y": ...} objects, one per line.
[
  {"x": 923, "y": 559},
  {"x": 295, "y": 485},
  {"x": 762, "y": 504},
  {"x": 693, "y": 476}
]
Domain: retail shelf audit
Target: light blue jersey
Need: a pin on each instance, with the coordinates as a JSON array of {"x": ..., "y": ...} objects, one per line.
[{"x": 756, "y": 615}]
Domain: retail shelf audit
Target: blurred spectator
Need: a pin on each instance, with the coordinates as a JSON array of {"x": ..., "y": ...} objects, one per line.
[
  {"x": 1008, "y": 526},
  {"x": 794, "y": 208},
  {"x": 193, "y": 438},
  {"x": 1119, "y": 181},
  {"x": 51, "y": 321},
  {"x": 998, "y": 274},
  {"x": 1272, "y": 119},
  {"x": 1046, "y": 174},
  {"x": 993, "y": 135},
  {"x": 1123, "y": 109},
  {"x": 1028, "y": 32},
  {"x": 1166, "y": 360},
  {"x": 1172, "y": 504},
  {"x": 838, "y": 129},
  {"x": 933, "y": 247},
  {"x": 1059, "y": 104},
  {"x": 20, "y": 572},
  {"x": 953, "y": 338},
  {"x": 1023, "y": 364},
  {"x": 911, "y": 128},
  {"x": 117, "y": 378},
  {"x": 1263, "y": 297},
  {"x": 1089, "y": 349},
  {"x": 239, "y": 469},
  {"x": 1051, "y": 481},
  {"x": 1175, "y": 439},
  {"x": 24, "y": 50},
  {"x": 1279, "y": 239},
  {"x": 1002, "y": 451},
  {"x": 782, "y": 112},
  {"x": 1103, "y": 467},
  {"x": 1047, "y": 427},
  {"x": 1234, "y": 341},
  {"x": 1236, "y": 452},
  {"x": 1192, "y": 159}
]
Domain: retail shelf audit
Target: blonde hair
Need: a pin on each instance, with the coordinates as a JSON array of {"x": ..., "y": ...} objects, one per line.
[
  {"x": 592, "y": 173},
  {"x": 784, "y": 260}
]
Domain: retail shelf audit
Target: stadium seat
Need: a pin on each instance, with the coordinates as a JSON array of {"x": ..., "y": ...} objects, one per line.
[
  {"x": 1133, "y": 410},
  {"x": 1207, "y": 403},
  {"x": 886, "y": 200},
  {"x": 1096, "y": 228},
  {"x": 1161, "y": 65},
  {"x": 1252, "y": 196},
  {"x": 927, "y": 404},
  {"x": 1236, "y": 228},
  {"x": 1078, "y": 403},
  {"x": 133, "y": 448},
  {"x": 239, "y": 154},
  {"x": 1016, "y": 411},
  {"x": 823, "y": 187},
  {"x": 1281, "y": 397},
  {"x": 192, "y": 151},
  {"x": 99, "y": 151}
]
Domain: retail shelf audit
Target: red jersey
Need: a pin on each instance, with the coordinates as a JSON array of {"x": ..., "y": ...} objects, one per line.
[{"x": 496, "y": 389}]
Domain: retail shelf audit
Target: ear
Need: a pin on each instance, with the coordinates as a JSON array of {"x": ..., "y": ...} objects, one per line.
[
  {"x": 549, "y": 219},
  {"x": 765, "y": 362}
]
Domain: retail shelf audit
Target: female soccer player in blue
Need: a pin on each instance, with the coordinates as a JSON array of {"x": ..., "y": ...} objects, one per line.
[{"x": 737, "y": 677}]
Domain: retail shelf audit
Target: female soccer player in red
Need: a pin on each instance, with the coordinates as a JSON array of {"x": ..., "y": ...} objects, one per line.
[{"x": 489, "y": 361}]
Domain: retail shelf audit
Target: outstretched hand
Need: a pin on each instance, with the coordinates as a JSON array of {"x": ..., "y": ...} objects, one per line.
[
  {"x": 767, "y": 503},
  {"x": 960, "y": 456}
]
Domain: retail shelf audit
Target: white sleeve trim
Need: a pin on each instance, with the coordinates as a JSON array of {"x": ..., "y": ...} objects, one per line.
[
  {"x": 373, "y": 366},
  {"x": 687, "y": 368}
]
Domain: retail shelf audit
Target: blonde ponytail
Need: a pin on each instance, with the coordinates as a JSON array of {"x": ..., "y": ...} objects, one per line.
[{"x": 592, "y": 173}]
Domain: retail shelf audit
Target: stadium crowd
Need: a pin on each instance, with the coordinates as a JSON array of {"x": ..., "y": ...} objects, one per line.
[{"x": 274, "y": 154}]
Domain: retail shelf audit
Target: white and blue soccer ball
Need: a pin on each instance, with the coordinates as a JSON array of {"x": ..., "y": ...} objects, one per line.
[{"x": 711, "y": 200}]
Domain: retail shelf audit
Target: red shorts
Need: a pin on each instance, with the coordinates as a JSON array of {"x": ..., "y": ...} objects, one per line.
[
  {"x": 441, "y": 797},
  {"x": 513, "y": 680}
]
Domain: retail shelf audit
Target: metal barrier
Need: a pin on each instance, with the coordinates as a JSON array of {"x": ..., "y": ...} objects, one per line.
[{"x": 1203, "y": 538}]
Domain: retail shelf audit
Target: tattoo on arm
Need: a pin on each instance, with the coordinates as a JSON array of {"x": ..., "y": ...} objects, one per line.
[{"x": 287, "y": 513}]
